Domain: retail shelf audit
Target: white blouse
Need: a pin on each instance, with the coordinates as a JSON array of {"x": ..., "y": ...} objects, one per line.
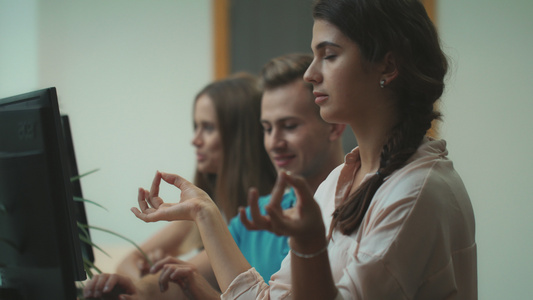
[{"x": 416, "y": 241}]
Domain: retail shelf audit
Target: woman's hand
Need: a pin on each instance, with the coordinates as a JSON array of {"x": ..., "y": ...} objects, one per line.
[
  {"x": 144, "y": 265},
  {"x": 193, "y": 285},
  {"x": 153, "y": 208},
  {"x": 110, "y": 285},
  {"x": 303, "y": 222}
]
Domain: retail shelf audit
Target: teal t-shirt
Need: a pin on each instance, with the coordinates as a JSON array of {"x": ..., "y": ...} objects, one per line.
[{"x": 263, "y": 249}]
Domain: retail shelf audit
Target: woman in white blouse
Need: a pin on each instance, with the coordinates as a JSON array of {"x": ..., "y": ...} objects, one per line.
[{"x": 394, "y": 221}]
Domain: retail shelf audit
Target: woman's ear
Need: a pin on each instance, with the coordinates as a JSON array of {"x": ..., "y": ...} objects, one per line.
[{"x": 389, "y": 69}]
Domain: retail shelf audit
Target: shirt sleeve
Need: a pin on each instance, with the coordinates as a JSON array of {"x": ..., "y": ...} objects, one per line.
[{"x": 247, "y": 285}]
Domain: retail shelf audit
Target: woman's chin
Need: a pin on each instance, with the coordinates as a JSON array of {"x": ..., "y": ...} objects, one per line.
[
  {"x": 205, "y": 169},
  {"x": 327, "y": 116}
]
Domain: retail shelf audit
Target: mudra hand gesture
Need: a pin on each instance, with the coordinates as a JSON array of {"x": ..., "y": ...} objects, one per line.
[
  {"x": 153, "y": 208},
  {"x": 303, "y": 222}
]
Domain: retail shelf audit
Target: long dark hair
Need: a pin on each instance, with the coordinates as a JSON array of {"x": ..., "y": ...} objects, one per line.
[
  {"x": 237, "y": 102},
  {"x": 403, "y": 28}
]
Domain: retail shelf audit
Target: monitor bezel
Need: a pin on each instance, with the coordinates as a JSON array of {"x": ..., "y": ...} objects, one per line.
[{"x": 68, "y": 242}]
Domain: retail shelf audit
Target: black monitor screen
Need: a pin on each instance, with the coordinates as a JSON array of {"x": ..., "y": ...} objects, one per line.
[
  {"x": 40, "y": 253},
  {"x": 79, "y": 206}
]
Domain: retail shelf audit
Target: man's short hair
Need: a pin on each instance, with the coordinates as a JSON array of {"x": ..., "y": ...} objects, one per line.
[{"x": 285, "y": 69}]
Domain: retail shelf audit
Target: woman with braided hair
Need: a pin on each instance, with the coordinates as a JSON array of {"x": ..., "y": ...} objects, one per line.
[{"x": 395, "y": 220}]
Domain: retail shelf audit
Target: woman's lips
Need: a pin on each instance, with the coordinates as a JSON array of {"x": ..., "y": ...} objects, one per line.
[
  {"x": 320, "y": 97},
  {"x": 200, "y": 157}
]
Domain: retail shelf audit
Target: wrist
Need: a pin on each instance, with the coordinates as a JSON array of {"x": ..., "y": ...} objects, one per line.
[
  {"x": 310, "y": 255},
  {"x": 204, "y": 212},
  {"x": 308, "y": 248}
]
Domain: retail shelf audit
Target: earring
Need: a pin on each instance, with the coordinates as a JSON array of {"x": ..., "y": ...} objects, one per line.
[{"x": 382, "y": 83}]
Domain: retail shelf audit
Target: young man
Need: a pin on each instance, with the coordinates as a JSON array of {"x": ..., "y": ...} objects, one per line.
[{"x": 296, "y": 139}]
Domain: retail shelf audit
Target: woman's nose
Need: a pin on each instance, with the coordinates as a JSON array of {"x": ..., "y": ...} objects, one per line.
[
  {"x": 312, "y": 75},
  {"x": 196, "y": 140}
]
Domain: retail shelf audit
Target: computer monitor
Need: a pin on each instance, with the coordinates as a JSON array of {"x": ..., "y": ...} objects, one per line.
[
  {"x": 40, "y": 253},
  {"x": 79, "y": 206}
]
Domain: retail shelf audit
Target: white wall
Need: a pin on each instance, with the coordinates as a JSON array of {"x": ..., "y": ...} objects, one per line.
[
  {"x": 18, "y": 46},
  {"x": 126, "y": 73},
  {"x": 488, "y": 125}
]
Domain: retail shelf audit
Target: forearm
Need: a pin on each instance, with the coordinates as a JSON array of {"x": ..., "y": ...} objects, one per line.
[
  {"x": 311, "y": 275},
  {"x": 170, "y": 238},
  {"x": 203, "y": 265},
  {"x": 128, "y": 266},
  {"x": 225, "y": 256},
  {"x": 175, "y": 239}
]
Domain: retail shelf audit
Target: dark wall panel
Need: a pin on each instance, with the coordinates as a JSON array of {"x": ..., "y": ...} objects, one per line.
[{"x": 263, "y": 29}]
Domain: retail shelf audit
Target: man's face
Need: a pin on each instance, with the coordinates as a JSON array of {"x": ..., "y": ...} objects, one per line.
[{"x": 296, "y": 138}]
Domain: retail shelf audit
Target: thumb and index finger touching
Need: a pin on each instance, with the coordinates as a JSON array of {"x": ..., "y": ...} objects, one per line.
[
  {"x": 286, "y": 179},
  {"x": 173, "y": 179},
  {"x": 149, "y": 201},
  {"x": 297, "y": 182}
]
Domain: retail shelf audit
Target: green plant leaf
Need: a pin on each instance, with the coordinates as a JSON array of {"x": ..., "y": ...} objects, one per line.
[
  {"x": 86, "y": 238},
  {"x": 88, "y": 241},
  {"x": 79, "y": 199},
  {"x": 80, "y": 285},
  {"x": 122, "y": 237},
  {"x": 82, "y": 175},
  {"x": 92, "y": 266},
  {"x": 87, "y": 268},
  {"x": 84, "y": 230}
]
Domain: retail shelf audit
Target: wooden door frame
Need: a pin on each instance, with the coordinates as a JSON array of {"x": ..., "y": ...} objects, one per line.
[{"x": 221, "y": 38}]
